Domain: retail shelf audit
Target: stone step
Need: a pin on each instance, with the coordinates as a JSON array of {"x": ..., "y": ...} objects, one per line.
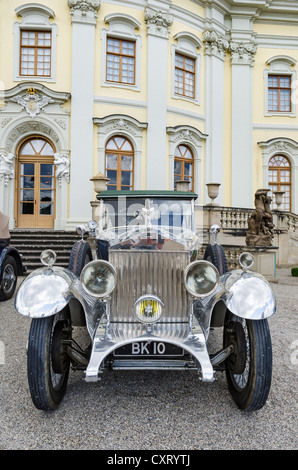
[{"x": 31, "y": 243}]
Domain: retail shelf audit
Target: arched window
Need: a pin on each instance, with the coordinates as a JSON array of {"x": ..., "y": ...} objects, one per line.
[
  {"x": 119, "y": 163},
  {"x": 279, "y": 179},
  {"x": 183, "y": 165}
]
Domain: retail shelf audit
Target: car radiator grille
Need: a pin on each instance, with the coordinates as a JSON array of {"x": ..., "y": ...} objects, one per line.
[{"x": 142, "y": 272}]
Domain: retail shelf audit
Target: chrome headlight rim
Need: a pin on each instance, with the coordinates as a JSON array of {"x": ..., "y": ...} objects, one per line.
[
  {"x": 94, "y": 263},
  {"x": 48, "y": 257},
  {"x": 241, "y": 257},
  {"x": 148, "y": 297},
  {"x": 203, "y": 263}
]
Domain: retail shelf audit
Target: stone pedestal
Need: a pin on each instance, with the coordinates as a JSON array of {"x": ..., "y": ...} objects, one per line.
[{"x": 265, "y": 261}]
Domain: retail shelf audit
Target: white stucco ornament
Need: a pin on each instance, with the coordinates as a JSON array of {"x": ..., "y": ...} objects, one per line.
[
  {"x": 7, "y": 167},
  {"x": 33, "y": 103},
  {"x": 84, "y": 10},
  {"x": 62, "y": 167}
]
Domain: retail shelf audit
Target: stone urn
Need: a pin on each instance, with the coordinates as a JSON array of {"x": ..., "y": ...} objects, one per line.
[
  {"x": 99, "y": 182},
  {"x": 213, "y": 189},
  {"x": 278, "y": 198},
  {"x": 182, "y": 185}
]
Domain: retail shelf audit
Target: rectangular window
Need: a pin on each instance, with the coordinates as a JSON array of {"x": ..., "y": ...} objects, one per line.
[
  {"x": 120, "y": 61},
  {"x": 279, "y": 93},
  {"x": 184, "y": 76},
  {"x": 35, "y": 57}
]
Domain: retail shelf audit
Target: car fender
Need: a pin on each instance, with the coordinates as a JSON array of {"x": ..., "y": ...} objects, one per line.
[
  {"x": 44, "y": 292},
  {"x": 13, "y": 252},
  {"x": 249, "y": 295}
]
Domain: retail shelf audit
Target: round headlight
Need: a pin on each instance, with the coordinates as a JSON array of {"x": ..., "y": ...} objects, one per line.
[
  {"x": 201, "y": 278},
  {"x": 48, "y": 257},
  {"x": 98, "y": 278},
  {"x": 148, "y": 309},
  {"x": 246, "y": 260}
]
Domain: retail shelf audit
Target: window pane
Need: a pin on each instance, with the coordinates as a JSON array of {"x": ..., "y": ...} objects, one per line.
[
  {"x": 46, "y": 209},
  {"x": 46, "y": 169},
  {"x": 27, "y": 169},
  {"x": 27, "y": 208},
  {"x": 111, "y": 161},
  {"x": 126, "y": 178},
  {"x": 126, "y": 162},
  {"x": 112, "y": 174}
]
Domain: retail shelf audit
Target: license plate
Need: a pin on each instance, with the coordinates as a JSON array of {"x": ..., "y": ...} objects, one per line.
[{"x": 149, "y": 349}]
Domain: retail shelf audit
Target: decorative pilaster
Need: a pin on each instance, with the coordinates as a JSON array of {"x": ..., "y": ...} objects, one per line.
[
  {"x": 215, "y": 50},
  {"x": 158, "y": 22},
  {"x": 242, "y": 61},
  {"x": 84, "y": 14},
  {"x": 84, "y": 11}
]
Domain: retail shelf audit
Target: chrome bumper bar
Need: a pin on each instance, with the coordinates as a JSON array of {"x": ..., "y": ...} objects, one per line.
[{"x": 109, "y": 337}]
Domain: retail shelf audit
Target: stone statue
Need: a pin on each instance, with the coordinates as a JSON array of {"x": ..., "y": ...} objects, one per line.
[
  {"x": 260, "y": 224},
  {"x": 62, "y": 166}
]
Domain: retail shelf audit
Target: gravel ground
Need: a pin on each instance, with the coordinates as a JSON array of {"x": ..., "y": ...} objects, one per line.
[{"x": 152, "y": 410}]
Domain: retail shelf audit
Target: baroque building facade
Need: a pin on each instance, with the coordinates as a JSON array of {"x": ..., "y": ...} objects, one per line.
[{"x": 146, "y": 92}]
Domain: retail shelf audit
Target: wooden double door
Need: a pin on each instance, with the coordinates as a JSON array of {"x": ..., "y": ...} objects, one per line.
[{"x": 35, "y": 184}]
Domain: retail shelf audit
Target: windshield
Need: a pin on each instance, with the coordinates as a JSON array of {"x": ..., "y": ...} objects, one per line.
[{"x": 147, "y": 223}]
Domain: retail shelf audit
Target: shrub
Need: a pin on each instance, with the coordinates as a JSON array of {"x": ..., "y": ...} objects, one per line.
[{"x": 294, "y": 272}]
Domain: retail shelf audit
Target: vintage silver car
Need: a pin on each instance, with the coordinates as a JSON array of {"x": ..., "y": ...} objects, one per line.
[{"x": 147, "y": 303}]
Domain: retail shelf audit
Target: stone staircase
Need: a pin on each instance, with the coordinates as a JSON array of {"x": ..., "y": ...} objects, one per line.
[{"x": 30, "y": 244}]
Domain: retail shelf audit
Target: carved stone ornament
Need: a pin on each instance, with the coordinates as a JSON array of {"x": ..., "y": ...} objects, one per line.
[
  {"x": 33, "y": 103},
  {"x": 84, "y": 11},
  {"x": 7, "y": 167},
  {"x": 158, "y": 22},
  {"x": 260, "y": 224},
  {"x": 214, "y": 43},
  {"x": 242, "y": 52},
  {"x": 62, "y": 167}
]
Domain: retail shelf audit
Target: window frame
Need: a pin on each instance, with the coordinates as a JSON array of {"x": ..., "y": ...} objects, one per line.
[
  {"x": 35, "y": 48},
  {"x": 184, "y": 160},
  {"x": 121, "y": 55},
  {"x": 35, "y": 18},
  {"x": 119, "y": 153},
  {"x": 278, "y": 88},
  {"x": 121, "y": 27},
  {"x": 281, "y": 66},
  {"x": 185, "y": 71},
  {"x": 279, "y": 183},
  {"x": 187, "y": 45}
]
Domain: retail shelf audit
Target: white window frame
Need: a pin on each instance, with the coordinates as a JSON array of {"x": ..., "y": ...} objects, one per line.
[
  {"x": 281, "y": 65},
  {"x": 187, "y": 45},
  {"x": 35, "y": 17},
  {"x": 121, "y": 26}
]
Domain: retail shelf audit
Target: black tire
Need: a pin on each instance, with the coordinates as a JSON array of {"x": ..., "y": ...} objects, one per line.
[
  {"x": 9, "y": 278},
  {"x": 80, "y": 255},
  {"x": 47, "y": 362},
  {"x": 216, "y": 255},
  {"x": 249, "y": 378}
]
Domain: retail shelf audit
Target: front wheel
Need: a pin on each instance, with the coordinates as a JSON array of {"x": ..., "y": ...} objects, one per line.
[
  {"x": 48, "y": 364},
  {"x": 249, "y": 368},
  {"x": 9, "y": 278}
]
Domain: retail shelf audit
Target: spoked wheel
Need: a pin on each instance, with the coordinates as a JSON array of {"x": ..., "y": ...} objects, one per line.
[
  {"x": 9, "y": 278},
  {"x": 249, "y": 368},
  {"x": 48, "y": 363},
  {"x": 215, "y": 254},
  {"x": 80, "y": 255}
]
